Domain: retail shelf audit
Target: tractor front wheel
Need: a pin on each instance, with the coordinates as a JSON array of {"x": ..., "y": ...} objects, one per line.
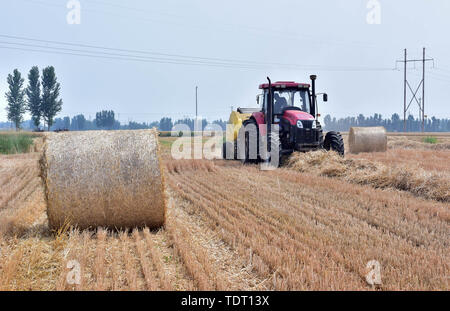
[{"x": 334, "y": 142}]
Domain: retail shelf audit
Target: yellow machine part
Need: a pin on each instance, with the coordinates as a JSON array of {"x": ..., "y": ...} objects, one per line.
[{"x": 235, "y": 124}]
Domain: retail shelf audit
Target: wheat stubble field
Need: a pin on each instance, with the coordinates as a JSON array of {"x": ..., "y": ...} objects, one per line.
[{"x": 234, "y": 227}]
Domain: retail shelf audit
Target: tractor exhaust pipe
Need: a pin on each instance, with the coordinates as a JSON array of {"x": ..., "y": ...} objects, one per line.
[
  {"x": 313, "y": 95},
  {"x": 269, "y": 117}
]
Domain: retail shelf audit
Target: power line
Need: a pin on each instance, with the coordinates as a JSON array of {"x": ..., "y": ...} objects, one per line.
[
  {"x": 444, "y": 68},
  {"x": 228, "y": 27},
  {"x": 123, "y": 56},
  {"x": 259, "y": 29},
  {"x": 225, "y": 61},
  {"x": 115, "y": 5},
  {"x": 91, "y": 51},
  {"x": 432, "y": 76},
  {"x": 440, "y": 74},
  {"x": 126, "y": 50},
  {"x": 128, "y": 58},
  {"x": 440, "y": 77}
]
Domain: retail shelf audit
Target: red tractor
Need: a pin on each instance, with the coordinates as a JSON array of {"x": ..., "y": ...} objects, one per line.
[{"x": 286, "y": 121}]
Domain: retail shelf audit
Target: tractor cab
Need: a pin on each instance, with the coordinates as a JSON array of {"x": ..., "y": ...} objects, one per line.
[{"x": 290, "y": 100}]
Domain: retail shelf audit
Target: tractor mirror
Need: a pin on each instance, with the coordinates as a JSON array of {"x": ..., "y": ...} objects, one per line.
[{"x": 325, "y": 97}]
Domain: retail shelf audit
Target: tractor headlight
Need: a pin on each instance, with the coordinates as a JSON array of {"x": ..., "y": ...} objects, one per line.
[
  {"x": 314, "y": 124},
  {"x": 299, "y": 124}
]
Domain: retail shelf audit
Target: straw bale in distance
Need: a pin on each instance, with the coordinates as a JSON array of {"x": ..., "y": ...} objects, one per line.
[
  {"x": 104, "y": 179},
  {"x": 367, "y": 139}
]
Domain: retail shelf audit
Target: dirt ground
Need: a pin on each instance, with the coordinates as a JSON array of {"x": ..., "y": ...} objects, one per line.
[{"x": 234, "y": 227}]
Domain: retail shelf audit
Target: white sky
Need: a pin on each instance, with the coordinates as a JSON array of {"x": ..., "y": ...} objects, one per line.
[{"x": 326, "y": 33}]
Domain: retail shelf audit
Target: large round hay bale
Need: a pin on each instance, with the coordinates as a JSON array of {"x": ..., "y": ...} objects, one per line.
[
  {"x": 107, "y": 179},
  {"x": 367, "y": 139}
]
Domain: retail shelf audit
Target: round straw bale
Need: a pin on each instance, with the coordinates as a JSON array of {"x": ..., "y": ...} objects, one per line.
[
  {"x": 109, "y": 179},
  {"x": 367, "y": 139}
]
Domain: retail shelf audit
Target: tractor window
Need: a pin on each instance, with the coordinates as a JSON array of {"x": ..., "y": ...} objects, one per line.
[
  {"x": 281, "y": 100},
  {"x": 289, "y": 98},
  {"x": 265, "y": 100},
  {"x": 301, "y": 100},
  {"x": 260, "y": 100}
]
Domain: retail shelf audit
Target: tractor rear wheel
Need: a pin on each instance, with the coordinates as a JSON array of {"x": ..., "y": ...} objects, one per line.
[
  {"x": 247, "y": 150},
  {"x": 229, "y": 151},
  {"x": 334, "y": 142},
  {"x": 276, "y": 148}
]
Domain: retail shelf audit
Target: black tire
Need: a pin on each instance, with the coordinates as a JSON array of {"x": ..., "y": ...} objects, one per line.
[
  {"x": 224, "y": 151},
  {"x": 334, "y": 142},
  {"x": 249, "y": 133},
  {"x": 227, "y": 146},
  {"x": 275, "y": 141}
]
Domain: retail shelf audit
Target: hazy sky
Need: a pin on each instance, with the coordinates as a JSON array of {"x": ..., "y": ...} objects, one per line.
[{"x": 354, "y": 60}]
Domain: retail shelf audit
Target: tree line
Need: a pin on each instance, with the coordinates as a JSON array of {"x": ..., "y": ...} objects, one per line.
[
  {"x": 393, "y": 124},
  {"x": 106, "y": 120},
  {"x": 40, "y": 97}
]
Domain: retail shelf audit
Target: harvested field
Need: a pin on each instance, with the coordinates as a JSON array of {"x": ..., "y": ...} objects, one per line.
[
  {"x": 408, "y": 143},
  {"x": 177, "y": 257},
  {"x": 429, "y": 160},
  {"x": 415, "y": 141},
  {"x": 429, "y": 185},
  {"x": 324, "y": 233},
  {"x": 234, "y": 227}
]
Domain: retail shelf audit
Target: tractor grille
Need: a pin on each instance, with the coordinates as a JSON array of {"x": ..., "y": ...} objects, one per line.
[
  {"x": 307, "y": 136},
  {"x": 307, "y": 124}
]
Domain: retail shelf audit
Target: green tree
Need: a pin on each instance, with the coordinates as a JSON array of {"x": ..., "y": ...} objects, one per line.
[
  {"x": 78, "y": 123},
  {"x": 16, "y": 98},
  {"x": 327, "y": 121},
  {"x": 361, "y": 120},
  {"x": 66, "y": 122},
  {"x": 396, "y": 122},
  {"x": 166, "y": 124},
  {"x": 105, "y": 119},
  {"x": 33, "y": 92},
  {"x": 51, "y": 104}
]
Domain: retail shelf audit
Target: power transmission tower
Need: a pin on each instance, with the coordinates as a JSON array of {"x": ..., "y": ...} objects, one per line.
[{"x": 420, "y": 102}]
